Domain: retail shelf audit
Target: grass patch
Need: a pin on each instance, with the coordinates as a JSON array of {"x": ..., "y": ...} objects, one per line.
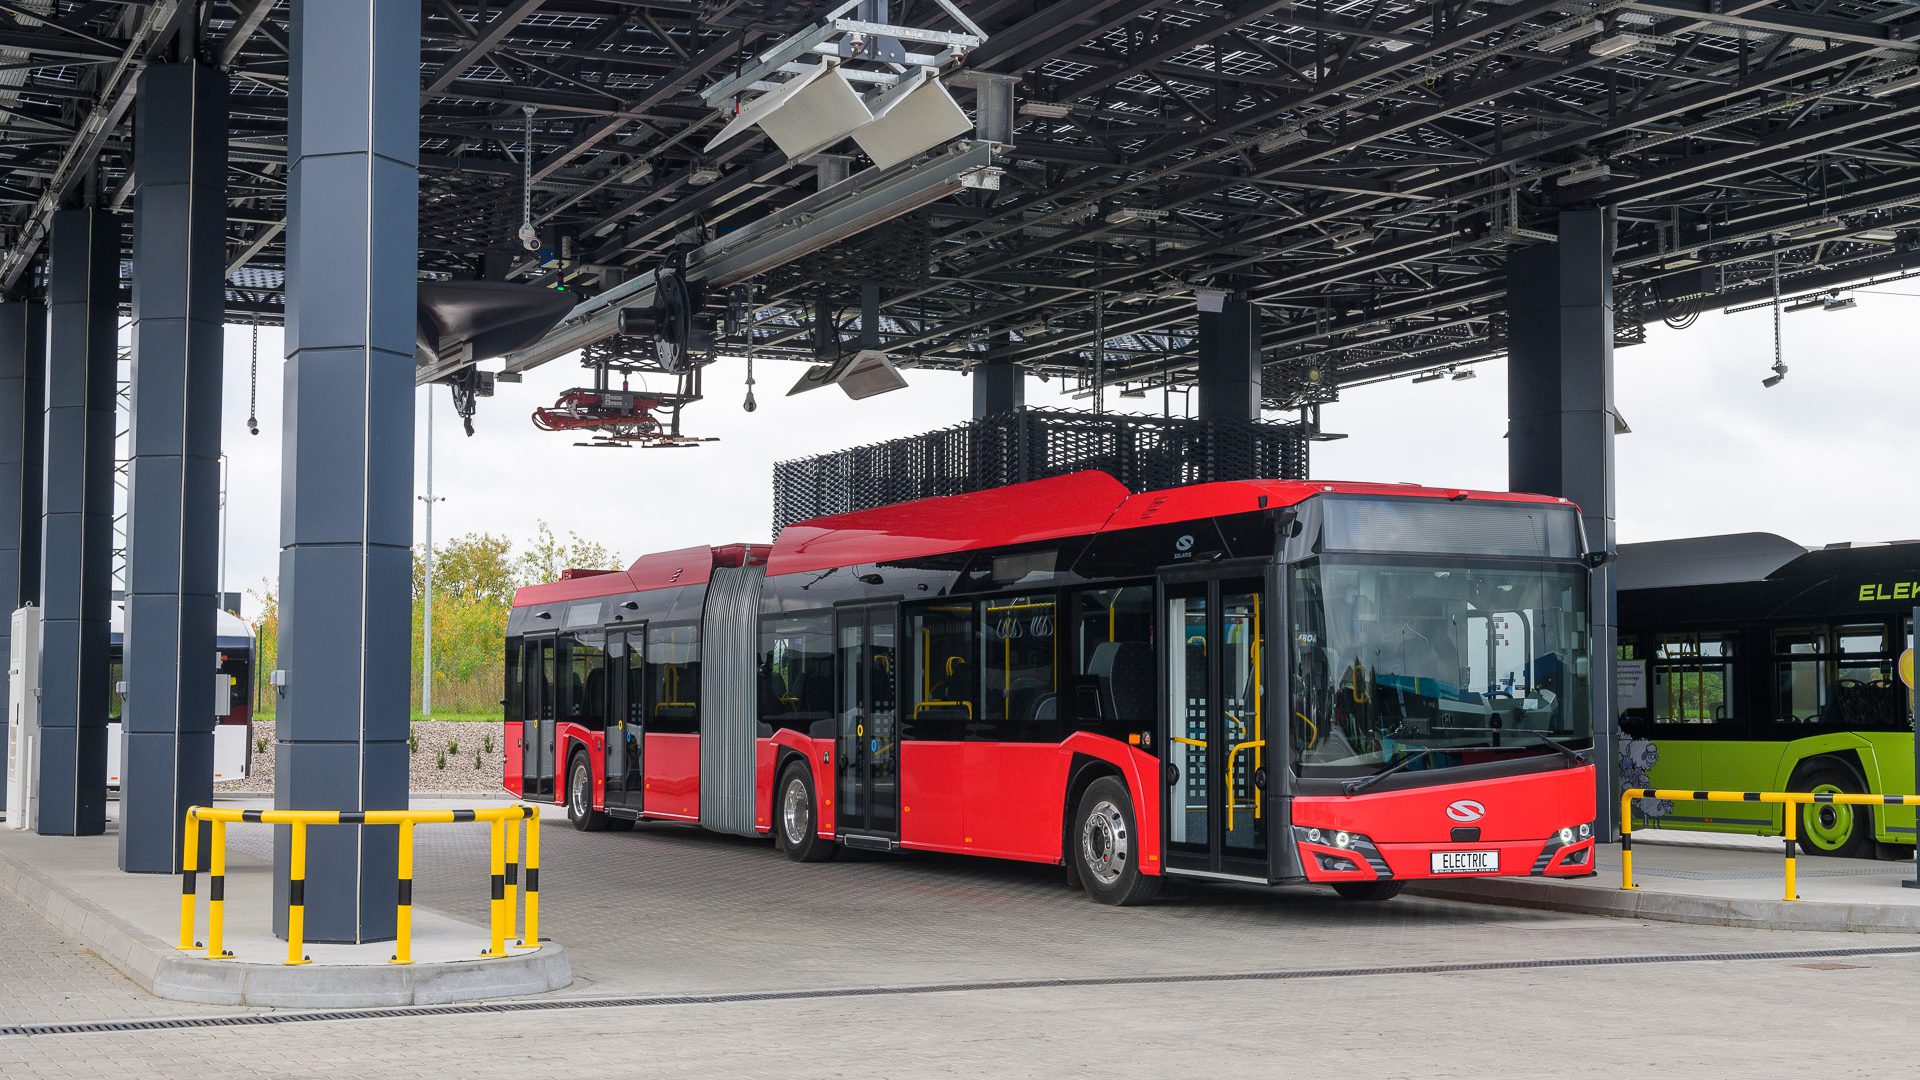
[{"x": 451, "y": 717}]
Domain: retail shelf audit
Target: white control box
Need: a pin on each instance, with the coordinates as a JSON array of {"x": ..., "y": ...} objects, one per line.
[{"x": 23, "y": 719}]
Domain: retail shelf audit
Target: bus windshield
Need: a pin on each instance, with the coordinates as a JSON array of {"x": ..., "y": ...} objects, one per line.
[{"x": 1446, "y": 664}]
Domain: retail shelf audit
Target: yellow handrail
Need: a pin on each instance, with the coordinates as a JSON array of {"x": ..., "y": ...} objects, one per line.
[
  {"x": 504, "y": 864},
  {"x": 1778, "y": 798},
  {"x": 1231, "y": 754}
]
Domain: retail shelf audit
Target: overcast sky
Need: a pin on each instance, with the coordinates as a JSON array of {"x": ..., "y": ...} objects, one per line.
[{"x": 1828, "y": 455}]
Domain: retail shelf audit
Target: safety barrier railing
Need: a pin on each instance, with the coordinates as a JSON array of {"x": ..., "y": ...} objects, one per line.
[
  {"x": 1780, "y": 798},
  {"x": 504, "y": 864}
]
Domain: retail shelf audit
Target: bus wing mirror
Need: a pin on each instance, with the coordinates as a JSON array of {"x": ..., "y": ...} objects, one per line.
[{"x": 1597, "y": 559}]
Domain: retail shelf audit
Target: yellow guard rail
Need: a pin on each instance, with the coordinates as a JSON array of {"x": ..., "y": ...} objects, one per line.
[
  {"x": 1788, "y": 798},
  {"x": 504, "y": 862}
]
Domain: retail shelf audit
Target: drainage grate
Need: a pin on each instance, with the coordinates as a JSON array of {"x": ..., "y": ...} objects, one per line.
[{"x": 483, "y": 1008}]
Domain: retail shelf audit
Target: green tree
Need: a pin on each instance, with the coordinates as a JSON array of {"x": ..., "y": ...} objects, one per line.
[
  {"x": 546, "y": 556},
  {"x": 266, "y": 636}
]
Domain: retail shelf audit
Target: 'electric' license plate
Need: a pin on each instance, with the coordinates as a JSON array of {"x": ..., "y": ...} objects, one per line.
[{"x": 1466, "y": 862}]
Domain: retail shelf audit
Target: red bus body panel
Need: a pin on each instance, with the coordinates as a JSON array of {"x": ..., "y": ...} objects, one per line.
[
  {"x": 769, "y": 754},
  {"x": 933, "y": 795},
  {"x": 672, "y": 763},
  {"x": 1520, "y": 816},
  {"x": 510, "y": 740},
  {"x": 566, "y": 736}
]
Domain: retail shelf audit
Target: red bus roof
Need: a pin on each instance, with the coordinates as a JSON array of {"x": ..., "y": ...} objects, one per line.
[
  {"x": 661, "y": 570},
  {"x": 1077, "y": 504}
]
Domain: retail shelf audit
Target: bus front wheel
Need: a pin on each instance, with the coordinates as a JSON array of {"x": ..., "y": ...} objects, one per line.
[
  {"x": 797, "y": 817},
  {"x": 1106, "y": 846},
  {"x": 1830, "y": 828},
  {"x": 580, "y": 809}
]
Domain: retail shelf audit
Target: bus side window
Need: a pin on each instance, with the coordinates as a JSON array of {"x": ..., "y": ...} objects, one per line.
[
  {"x": 1022, "y": 669},
  {"x": 673, "y": 657},
  {"x": 1113, "y": 665},
  {"x": 943, "y": 688},
  {"x": 796, "y": 673},
  {"x": 511, "y": 701}
]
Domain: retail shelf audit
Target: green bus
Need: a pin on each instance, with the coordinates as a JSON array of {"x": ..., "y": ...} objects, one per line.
[{"x": 1750, "y": 663}]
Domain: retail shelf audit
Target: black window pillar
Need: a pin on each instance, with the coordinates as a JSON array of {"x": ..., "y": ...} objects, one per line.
[
  {"x": 1562, "y": 421},
  {"x": 23, "y": 353},
  {"x": 346, "y": 513},
  {"x": 173, "y": 539},
  {"x": 76, "y": 541},
  {"x": 1229, "y": 355}
]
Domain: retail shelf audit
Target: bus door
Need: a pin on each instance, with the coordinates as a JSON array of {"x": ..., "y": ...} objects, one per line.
[
  {"x": 626, "y": 717},
  {"x": 1213, "y": 723},
  {"x": 537, "y": 736},
  {"x": 867, "y": 769}
]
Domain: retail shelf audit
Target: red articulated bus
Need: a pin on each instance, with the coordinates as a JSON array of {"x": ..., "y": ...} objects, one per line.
[{"x": 1281, "y": 682}]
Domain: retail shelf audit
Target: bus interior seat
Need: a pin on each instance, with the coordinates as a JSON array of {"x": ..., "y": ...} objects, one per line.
[{"x": 1126, "y": 678}]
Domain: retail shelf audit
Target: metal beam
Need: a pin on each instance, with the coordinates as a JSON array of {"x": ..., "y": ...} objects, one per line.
[{"x": 503, "y": 23}]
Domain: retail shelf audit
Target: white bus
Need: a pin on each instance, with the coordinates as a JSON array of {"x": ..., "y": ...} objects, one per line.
[{"x": 232, "y": 703}]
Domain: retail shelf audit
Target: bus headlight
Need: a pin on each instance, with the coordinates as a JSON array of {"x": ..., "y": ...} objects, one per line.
[
  {"x": 1566, "y": 836},
  {"x": 1342, "y": 840}
]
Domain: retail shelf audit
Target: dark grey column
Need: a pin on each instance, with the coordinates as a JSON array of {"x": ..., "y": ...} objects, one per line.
[
  {"x": 173, "y": 511},
  {"x": 346, "y": 521},
  {"x": 1562, "y": 420},
  {"x": 1229, "y": 355},
  {"x": 998, "y": 386},
  {"x": 76, "y": 540},
  {"x": 23, "y": 360}
]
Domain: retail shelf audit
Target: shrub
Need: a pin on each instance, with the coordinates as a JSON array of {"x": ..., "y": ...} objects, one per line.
[
  {"x": 443, "y": 760},
  {"x": 453, "y": 746}
]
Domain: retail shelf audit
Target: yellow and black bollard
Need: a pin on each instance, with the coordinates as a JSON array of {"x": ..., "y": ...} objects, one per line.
[
  {"x": 530, "y": 933},
  {"x": 403, "y": 911},
  {"x": 513, "y": 872},
  {"x": 297, "y": 896},
  {"x": 1626, "y": 841},
  {"x": 1792, "y": 817},
  {"x": 189, "y": 872},
  {"x": 217, "y": 892},
  {"x": 497, "y": 884}
]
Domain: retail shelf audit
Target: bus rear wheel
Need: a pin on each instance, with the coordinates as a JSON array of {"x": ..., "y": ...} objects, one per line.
[
  {"x": 796, "y": 825},
  {"x": 1369, "y": 891},
  {"x": 1828, "y": 828},
  {"x": 1106, "y": 846},
  {"x": 580, "y": 809}
]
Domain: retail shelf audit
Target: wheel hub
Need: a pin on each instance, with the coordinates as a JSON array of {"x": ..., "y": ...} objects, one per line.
[
  {"x": 1104, "y": 843},
  {"x": 1829, "y": 825},
  {"x": 793, "y": 812}
]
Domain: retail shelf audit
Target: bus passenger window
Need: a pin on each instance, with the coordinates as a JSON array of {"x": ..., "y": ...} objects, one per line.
[
  {"x": 1800, "y": 675},
  {"x": 1113, "y": 684},
  {"x": 1022, "y": 673},
  {"x": 796, "y": 672},
  {"x": 673, "y": 655},
  {"x": 1868, "y": 695},
  {"x": 587, "y": 681},
  {"x": 943, "y": 692},
  {"x": 1693, "y": 679}
]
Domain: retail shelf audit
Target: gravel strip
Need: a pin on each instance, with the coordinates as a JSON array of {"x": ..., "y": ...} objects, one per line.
[{"x": 443, "y": 759}]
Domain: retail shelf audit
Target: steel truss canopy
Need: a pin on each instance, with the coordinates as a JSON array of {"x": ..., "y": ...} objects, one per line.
[{"x": 1361, "y": 169}]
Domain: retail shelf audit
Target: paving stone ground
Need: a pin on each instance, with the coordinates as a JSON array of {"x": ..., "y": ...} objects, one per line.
[{"x": 668, "y": 909}]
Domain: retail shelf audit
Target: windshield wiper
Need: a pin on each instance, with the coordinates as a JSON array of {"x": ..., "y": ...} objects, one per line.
[
  {"x": 1566, "y": 751},
  {"x": 1355, "y": 787}
]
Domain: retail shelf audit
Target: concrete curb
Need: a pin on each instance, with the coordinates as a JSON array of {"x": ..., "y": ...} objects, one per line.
[
  {"x": 1678, "y": 907},
  {"x": 164, "y": 971}
]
